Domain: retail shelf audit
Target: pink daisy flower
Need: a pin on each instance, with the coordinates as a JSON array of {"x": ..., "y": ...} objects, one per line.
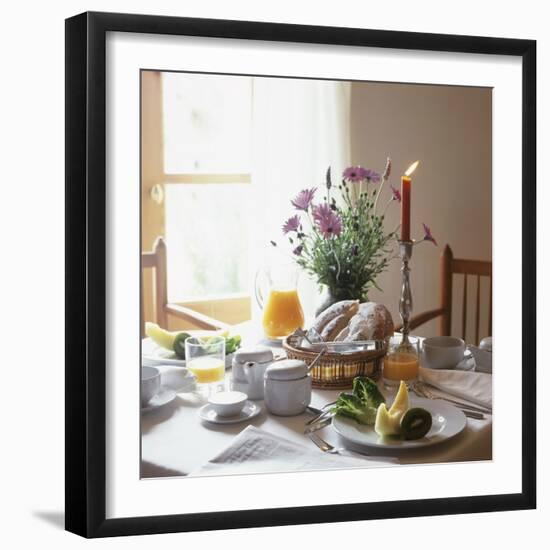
[
  {"x": 354, "y": 174},
  {"x": 303, "y": 199},
  {"x": 371, "y": 176},
  {"x": 292, "y": 224},
  {"x": 328, "y": 222}
]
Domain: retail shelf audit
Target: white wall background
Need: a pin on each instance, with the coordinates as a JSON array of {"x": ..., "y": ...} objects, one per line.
[
  {"x": 449, "y": 130},
  {"x": 31, "y": 293}
]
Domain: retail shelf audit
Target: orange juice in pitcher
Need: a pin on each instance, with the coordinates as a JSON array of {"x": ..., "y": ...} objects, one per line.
[{"x": 282, "y": 310}]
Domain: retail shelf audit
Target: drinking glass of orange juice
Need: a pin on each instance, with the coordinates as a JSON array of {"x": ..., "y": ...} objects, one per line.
[
  {"x": 401, "y": 361},
  {"x": 205, "y": 358},
  {"x": 277, "y": 296}
]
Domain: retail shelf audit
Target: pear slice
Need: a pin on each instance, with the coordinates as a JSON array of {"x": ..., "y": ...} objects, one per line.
[
  {"x": 161, "y": 337},
  {"x": 388, "y": 422},
  {"x": 385, "y": 423},
  {"x": 400, "y": 404}
]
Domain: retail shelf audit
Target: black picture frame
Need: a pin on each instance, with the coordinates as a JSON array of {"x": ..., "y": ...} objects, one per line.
[{"x": 86, "y": 273}]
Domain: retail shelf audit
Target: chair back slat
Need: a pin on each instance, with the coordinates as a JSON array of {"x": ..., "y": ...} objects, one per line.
[
  {"x": 464, "y": 306},
  {"x": 477, "y": 307},
  {"x": 490, "y": 306},
  {"x": 449, "y": 266},
  {"x": 155, "y": 260},
  {"x": 479, "y": 269}
]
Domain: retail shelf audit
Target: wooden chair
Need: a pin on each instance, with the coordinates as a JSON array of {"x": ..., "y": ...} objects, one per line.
[
  {"x": 156, "y": 260},
  {"x": 449, "y": 266}
]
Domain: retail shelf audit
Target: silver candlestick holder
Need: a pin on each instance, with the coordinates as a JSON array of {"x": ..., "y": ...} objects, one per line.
[{"x": 405, "y": 301}]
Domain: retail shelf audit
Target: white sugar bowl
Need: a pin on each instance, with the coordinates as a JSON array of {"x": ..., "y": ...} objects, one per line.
[{"x": 287, "y": 387}]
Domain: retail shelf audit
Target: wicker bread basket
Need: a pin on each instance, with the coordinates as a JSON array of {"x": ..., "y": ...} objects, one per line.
[{"x": 336, "y": 370}]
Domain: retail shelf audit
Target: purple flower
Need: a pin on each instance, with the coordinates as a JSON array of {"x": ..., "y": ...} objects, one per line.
[
  {"x": 371, "y": 176},
  {"x": 329, "y": 223},
  {"x": 396, "y": 194},
  {"x": 387, "y": 170},
  {"x": 303, "y": 199},
  {"x": 428, "y": 234},
  {"x": 355, "y": 174},
  {"x": 298, "y": 250},
  {"x": 292, "y": 224},
  {"x": 328, "y": 179}
]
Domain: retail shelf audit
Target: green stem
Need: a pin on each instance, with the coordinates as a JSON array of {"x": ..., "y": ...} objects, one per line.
[{"x": 378, "y": 194}]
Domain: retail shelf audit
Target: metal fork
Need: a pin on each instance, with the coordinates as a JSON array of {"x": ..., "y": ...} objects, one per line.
[
  {"x": 330, "y": 449},
  {"x": 322, "y": 412}
]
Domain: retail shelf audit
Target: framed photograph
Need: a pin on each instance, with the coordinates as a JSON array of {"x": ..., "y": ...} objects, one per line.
[{"x": 300, "y": 274}]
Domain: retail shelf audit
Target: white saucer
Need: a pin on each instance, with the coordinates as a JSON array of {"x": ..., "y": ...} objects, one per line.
[
  {"x": 250, "y": 410},
  {"x": 163, "y": 397}
]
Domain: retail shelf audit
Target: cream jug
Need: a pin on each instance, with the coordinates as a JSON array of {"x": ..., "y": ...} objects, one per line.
[{"x": 248, "y": 369}]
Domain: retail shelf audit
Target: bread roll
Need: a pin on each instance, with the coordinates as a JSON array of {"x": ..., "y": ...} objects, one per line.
[
  {"x": 372, "y": 322},
  {"x": 346, "y": 307},
  {"x": 343, "y": 334},
  {"x": 334, "y": 328}
]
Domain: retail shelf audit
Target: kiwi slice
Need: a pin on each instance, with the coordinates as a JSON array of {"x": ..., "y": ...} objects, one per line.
[
  {"x": 179, "y": 344},
  {"x": 416, "y": 423}
]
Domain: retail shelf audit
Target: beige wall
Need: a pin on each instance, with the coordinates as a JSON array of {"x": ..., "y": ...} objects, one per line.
[{"x": 449, "y": 130}]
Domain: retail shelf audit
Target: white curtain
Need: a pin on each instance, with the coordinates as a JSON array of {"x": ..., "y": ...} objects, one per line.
[{"x": 300, "y": 128}]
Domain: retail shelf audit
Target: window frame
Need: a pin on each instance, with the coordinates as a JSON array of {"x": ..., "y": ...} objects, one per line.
[{"x": 154, "y": 181}]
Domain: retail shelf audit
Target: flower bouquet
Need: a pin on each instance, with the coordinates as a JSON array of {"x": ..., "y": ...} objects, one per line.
[{"x": 341, "y": 241}]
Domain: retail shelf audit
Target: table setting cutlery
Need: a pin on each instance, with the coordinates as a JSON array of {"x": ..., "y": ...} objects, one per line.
[
  {"x": 326, "y": 447},
  {"x": 319, "y": 425},
  {"x": 422, "y": 389},
  {"x": 319, "y": 413}
]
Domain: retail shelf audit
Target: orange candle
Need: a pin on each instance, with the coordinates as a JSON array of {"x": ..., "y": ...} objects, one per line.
[
  {"x": 406, "y": 202},
  {"x": 405, "y": 208}
]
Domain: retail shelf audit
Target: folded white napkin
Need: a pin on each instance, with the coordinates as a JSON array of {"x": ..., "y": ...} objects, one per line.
[
  {"x": 475, "y": 387},
  {"x": 257, "y": 451}
]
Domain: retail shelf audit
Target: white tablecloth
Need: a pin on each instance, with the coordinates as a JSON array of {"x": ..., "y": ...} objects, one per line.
[{"x": 176, "y": 442}]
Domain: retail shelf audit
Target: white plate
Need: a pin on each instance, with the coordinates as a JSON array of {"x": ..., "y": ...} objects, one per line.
[
  {"x": 163, "y": 397},
  {"x": 153, "y": 355},
  {"x": 250, "y": 410},
  {"x": 447, "y": 421}
]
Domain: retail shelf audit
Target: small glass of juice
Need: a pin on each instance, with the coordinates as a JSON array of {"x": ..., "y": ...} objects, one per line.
[
  {"x": 401, "y": 361},
  {"x": 205, "y": 358}
]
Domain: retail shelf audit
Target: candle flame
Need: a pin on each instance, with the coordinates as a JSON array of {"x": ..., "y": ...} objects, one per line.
[{"x": 412, "y": 168}]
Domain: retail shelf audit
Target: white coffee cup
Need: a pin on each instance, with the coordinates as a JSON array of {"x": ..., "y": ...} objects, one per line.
[
  {"x": 443, "y": 352},
  {"x": 150, "y": 384}
]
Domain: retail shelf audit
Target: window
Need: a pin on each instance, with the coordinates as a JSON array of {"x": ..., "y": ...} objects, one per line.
[
  {"x": 221, "y": 157},
  {"x": 206, "y": 149},
  {"x": 207, "y": 124}
]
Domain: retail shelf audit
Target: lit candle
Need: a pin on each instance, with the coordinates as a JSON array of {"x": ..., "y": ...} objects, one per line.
[{"x": 406, "y": 202}]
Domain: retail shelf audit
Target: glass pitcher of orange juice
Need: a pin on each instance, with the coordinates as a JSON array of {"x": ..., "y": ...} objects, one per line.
[{"x": 277, "y": 296}]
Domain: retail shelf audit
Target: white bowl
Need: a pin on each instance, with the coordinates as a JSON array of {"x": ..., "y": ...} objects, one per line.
[
  {"x": 228, "y": 403},
  {"x": 150, "y": 384}
]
